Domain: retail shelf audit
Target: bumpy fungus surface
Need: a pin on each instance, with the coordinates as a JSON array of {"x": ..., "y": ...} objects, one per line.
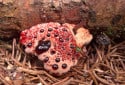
[{"x": 55, "y": 45}]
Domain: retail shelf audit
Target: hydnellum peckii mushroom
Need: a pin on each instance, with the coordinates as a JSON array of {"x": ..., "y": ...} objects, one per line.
[{"x": 55, "y": 44}]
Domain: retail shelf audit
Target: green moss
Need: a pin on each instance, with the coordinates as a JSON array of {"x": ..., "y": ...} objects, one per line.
[
  {"x": 110, "y": 31},
  {"x": 78, "y": 49}
]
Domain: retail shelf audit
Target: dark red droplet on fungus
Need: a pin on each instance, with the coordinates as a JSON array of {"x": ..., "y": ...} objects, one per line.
[
  {"x": 56, "y": 27},
  {"x": 55, "y": 35},
  {"x": 50, "y": 29},
  {"x": 43, "y": 46},
  {"x": 48, "y": 35},
  {"x": 72, "y": 46},
  {"x": 57, "y": 59},
  {"x": 29, "y": 44},
  {"x": 55, "y": 66},
  {"x": 64, "y": 66},
  {"x": 35, "y": 36},
  {"x": 52, "y": 52},
  {"x": 41, "y": 30},
  {"x": 61, "y": 40},
  {"x": 46, "y": 59}
]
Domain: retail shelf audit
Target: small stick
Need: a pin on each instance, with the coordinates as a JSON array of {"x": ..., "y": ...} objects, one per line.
[
  {"x": 61, "y": 82},
  {"x": 13, "y": 48},
  {"x": 118, "y": 45},
  {"x": 33, "y": 72},
  {"x": 78, "y": 81},
  {"x": 54, "y": 79},
  {"x": 42, "y": 81},
  {"x": 77, "y": 71},
  {"x": 18, "y": 63},
  {"x": 5, "y": 81},
  {"x": 101, "y": 79},
  {"x": 93, "y": 77}
]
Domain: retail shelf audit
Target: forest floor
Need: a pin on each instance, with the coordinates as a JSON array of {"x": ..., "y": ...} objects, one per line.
[{"x": 102, "y": 65}]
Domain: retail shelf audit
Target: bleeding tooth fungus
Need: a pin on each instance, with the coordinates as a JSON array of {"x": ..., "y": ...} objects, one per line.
[{"x": 55, "y": 44}]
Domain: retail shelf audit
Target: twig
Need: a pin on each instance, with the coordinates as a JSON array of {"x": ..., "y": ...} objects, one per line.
[
  {"x": 107, "y": 67},
  {"x": 54, "y": 79},
  {"x": 78, "y": 81},
  {"x": 61, "y": 82},
  {"x": 111, "y": 53},
  {"x": 41, "y": 79},
  {"x": 120, "y": 44},
  {"x": 33, "y": 72},
  {"x": 32, "y": 79},
  {"x": 13, "y": 48},
  {"x": 101, "y": 79},
  {"x": 122, "y": 63},
  {"x": 17, "y": 62},
  {"x": 77, "y": 71},
  {"x": 98, "y": 53},
  {"x": 5, "y": 81},
  {"x": 93, "y": 77},
  {"x": 24, "y": 61}
]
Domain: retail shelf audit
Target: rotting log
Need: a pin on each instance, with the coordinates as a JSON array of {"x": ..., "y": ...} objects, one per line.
[{"x": 17, "y": 15}]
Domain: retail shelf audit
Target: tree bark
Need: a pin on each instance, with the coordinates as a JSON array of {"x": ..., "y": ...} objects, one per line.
[{"x": 17, "y": 15}]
